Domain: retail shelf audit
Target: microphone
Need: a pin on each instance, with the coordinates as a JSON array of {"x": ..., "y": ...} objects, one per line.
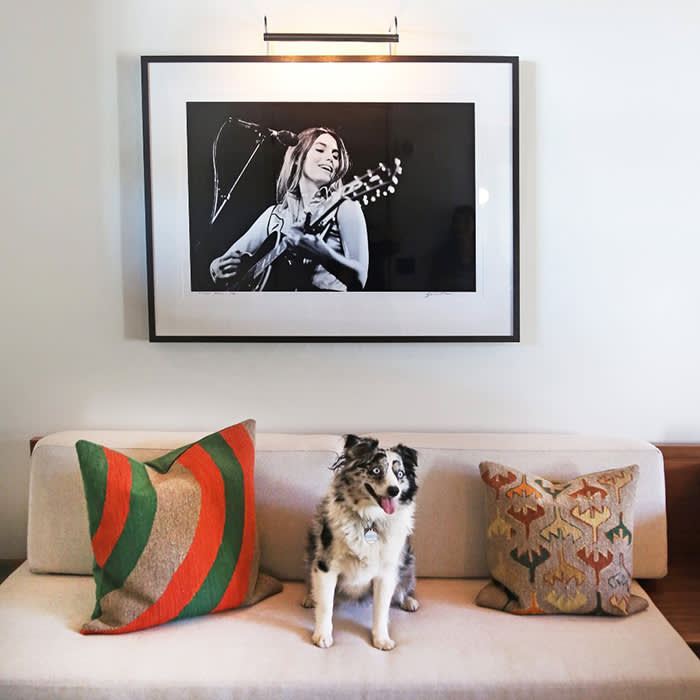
[{"x": 286, "y": 138}]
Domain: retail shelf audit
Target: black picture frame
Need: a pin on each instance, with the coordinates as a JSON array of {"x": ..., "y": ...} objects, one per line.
[{"x": 443, "y": 248}]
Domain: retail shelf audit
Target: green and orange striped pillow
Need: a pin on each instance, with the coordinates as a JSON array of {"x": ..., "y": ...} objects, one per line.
[{"x": 174, "y": 537}]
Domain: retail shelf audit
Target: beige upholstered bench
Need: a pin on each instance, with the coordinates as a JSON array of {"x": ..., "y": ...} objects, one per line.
[{"x": 450, "y": 648}]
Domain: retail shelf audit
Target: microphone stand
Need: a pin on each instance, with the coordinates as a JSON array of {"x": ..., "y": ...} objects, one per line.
[{"x": 216, "y": 208}]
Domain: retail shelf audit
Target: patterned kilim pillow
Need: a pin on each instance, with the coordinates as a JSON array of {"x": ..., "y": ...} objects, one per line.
[
  {"x": 560, "y": 547},
  {"x": 174, "y": 537}
]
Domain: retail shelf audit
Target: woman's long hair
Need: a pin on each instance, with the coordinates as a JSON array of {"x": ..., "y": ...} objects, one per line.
[{"x": 290, "y": 173}]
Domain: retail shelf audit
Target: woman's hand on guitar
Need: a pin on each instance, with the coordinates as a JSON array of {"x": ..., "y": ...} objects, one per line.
[
  {"x": 310, "y": 247},
  {"x": 226, "y": 266}
]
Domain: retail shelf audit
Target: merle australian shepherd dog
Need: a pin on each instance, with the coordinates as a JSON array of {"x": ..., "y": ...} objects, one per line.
[{"x": 359, "y": 538}]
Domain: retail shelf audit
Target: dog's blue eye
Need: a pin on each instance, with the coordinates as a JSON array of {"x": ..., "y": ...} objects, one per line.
[
  {"x": 399, "y": 474},
  {"x": 377, "y": 471}
]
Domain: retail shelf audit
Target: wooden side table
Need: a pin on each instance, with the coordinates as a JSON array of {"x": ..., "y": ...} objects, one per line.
[
  {"x": 7, "y": 566},
  {"x": 678, "y": 595}
]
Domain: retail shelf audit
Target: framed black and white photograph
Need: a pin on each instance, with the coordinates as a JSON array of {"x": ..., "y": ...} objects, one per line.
[{"x": 332, "y": 198}]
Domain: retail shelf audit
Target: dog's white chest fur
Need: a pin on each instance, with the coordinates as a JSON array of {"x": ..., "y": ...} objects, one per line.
[{"x": 359, "y": 561}]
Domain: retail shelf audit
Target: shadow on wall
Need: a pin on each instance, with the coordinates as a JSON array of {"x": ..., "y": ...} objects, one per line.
[
  {"x": 14, "y": 475},
  {"x": 131, "y": 198},
  {"x": 449, "y": 537}
]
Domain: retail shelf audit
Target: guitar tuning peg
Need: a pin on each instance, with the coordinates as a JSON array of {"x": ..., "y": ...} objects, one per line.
[
  {"x": 365, "y": 201},
  {"x": 384, "y": 193},
  {"x": 381, "y": 166},
  {"x": 391, "y": 189},
  {"x": 395, "y": 180},
  {"x": 397, "y": 162},
  {"x": 373, "y": 199}
]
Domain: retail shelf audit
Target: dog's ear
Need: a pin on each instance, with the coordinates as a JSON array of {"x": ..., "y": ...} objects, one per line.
[
  {"x": 351, "y": 440},
  {"x": 357, "y": 447},
  {"x": 408, "y": 455}
]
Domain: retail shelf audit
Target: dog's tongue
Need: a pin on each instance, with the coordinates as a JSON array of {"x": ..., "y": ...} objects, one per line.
[{"x": 388, "y": 505}]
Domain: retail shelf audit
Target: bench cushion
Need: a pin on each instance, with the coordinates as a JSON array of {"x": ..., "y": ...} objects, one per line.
[{"x": 449, "y": 648}]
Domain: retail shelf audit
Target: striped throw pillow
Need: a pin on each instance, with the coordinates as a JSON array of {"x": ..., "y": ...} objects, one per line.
[{"x": 174, "y": 537}]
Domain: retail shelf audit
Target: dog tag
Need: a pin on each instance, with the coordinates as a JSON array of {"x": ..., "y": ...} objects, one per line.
[{"x": 371, "y": 535}]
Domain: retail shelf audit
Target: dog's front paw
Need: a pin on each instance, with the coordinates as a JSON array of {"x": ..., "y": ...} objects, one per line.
[
  {"x": 383, "y": 643},
  {"x": 410, "y": 604},
  {"x": 322, "y": 639},
  {"x": 308, "y": 601}
]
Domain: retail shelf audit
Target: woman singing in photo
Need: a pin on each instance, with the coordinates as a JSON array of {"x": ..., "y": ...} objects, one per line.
[{"x": 334, "y": 258}]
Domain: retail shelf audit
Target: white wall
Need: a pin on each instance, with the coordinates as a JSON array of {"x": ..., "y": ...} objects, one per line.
[{"x": 610, "y": 149}]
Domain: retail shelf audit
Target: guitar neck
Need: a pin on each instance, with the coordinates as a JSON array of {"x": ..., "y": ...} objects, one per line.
[
  {"x": 349, "y": 191},
  {"x": 320, "y": 221}
]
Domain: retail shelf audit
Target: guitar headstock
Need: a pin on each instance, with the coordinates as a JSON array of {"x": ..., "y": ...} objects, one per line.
[{"x": 375, "y": 183}]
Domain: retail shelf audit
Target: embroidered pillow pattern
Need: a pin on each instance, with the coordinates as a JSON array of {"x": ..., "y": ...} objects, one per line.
[
  {"x": 174, "y": 537},
  {"x": 560, "y": 548}
]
